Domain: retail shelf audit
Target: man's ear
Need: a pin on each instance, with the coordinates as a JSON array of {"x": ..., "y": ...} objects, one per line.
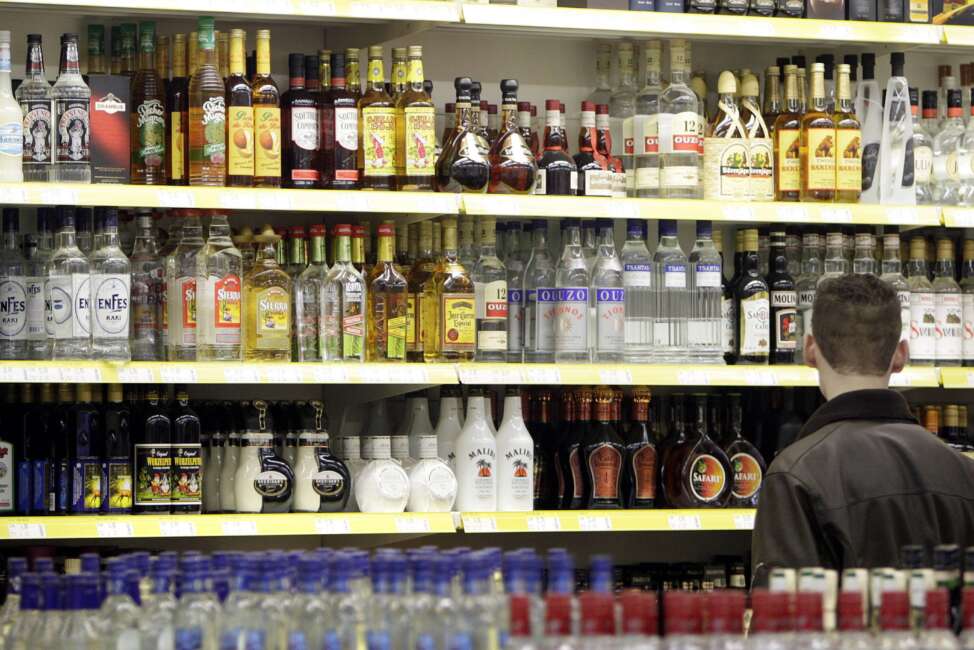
[
  {"x": 810, "y": 351},
  {"x": 901, "y": 356}
]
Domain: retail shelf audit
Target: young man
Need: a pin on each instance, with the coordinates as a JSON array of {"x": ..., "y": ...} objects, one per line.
[{"x": 863, "y": 479}]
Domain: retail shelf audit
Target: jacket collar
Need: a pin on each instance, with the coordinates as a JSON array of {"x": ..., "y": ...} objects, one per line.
[{"x": 869, "y": 404}]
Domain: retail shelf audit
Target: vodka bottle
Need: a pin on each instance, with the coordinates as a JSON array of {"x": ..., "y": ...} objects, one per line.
[
  {"x": 835, "y": 260},
  {"x": 196, "y": 623},
  {"x": 922, "y": 153},
  {"x": 725, "y": 619},
  {"x": 119, "y": 611},
  {"x": 80, "y": 628},
  {"x": 23, "y": 627},
  {"x": 571, "y": 313},
  {"x": 515, "y": 454},
  {"x": 805, "y": 286},
  {"x": 894, "y": 621},
  {"x": 13, "y": 285},
  {"x": 704, "y": 328},
  {"x": 34, "y": 95},
  {"x": 923, "y": 313},
  {"x": 308, "y": 286},
  {"x": 68, "y": 293},
  {"x": 864, "y": 260},
  {"x": 12, "y": 608},
  {"x": 182, "y": 267},
  {"x": 343, "y": 304},
  {"x": 852, "y": 632},
  {"x": 967, "y": 302},
  {"x": 514, "y": 263},
  {"x": 72, "y": 126},
  {"x": 869, "y": 110},
  {"x": 637, "y": 279},
  {"x": 646, "y": 125},
  {"x": 771, "y": 621},
  {"x": 148, "y": 288},
  {"x": 892, "y": 274},
  {"x": 383, "y": 485},
  {"x": 947, "y": 307},
  {"x": 449, "y": 424},
  {"x": 39, "y": 324},
  {"x": 476, "y": 460},
  {"x": 219, "y": 268},
  {"x": 603, "y": 67},
  {"x": 608, "y": 298},
  {"x": 949, "y": 151},
  {"x": 896, "y": 157},
  {"x": 683, "y": 621},
  {"x": 672, "y": 300},
  {"x": 490, "y": 289},
  {"x": 432, "y": 484},
  {"x": 539, "y": 295},
  {"x": 680, "y": 159},
  {"x": 110, "y": 295},
  {"x": 243, "y": 620},
  {"x": 622, "y": 108},
  {"x": 311, "y": 617}
]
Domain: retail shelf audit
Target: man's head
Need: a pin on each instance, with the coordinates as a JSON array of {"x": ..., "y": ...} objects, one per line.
[{"x": 856, "y": 334}]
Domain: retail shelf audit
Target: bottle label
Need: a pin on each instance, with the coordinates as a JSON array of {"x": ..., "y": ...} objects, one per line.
[
  {"x": 187, "y": 311},
  {"x": 674, "y": 276},
  {"x": 761, "y": 172},
  {"x": 541, "y": 307},
  {"x": 968, "y": 342},
  {"x": 36, "y": 325},
  {"x": 922, "y": 164},
  {"x": 923, "y": 326},
  {"x": 848, "y": 175},
  {"x": 153, "y": 474},
  {"x": 13, "y": 308},
  {"x": 680, "y": 176},
  {"x": 519, "y": 464},
  {"x": 37, "y": 131},
  {"x": 540, "y": 182},
  {"x": 224, "y": 295},
  {"x": 187, "y": 474},
  {"x": 420, "y": 125},
  {"x": 605, "y": 468},
  {"x": 637, "y": 275},
  {"x": 73, "y": 131},
  {"x": 904, "y": 299},
  {"x": 117, "y": 477},
  {"x": 150, "y": 122},
  {"x": 726, "y": 169},
  {"x": 643, "y": 467},
  {"x": 412, "y": 322},
  {"x": 788, "y": 161},
  {"x": 379, "y": 141},
  {"x": 61, "y": 292},
  {"x": 678, "y": 133},
  {"x": 755, "y": 333},
  {"x": 820, "y": 162},
  {"x": 240, "y": 128},
  {"x": 707, "y": 275},
  {"x": 146, "y": 291},
  {"x": 707, "y": 478},
  {"x": 399, "y": 446},
  {"x": 786, "y": 319},
  {"x": 304, "y": 127},
  {"x": 267, "y": 133},
  {"x": 647, "y": 178},
  {"x": 346, "y": 127},
  {"x": 110, "y": 295},
  {"x": 271, "y": 483},
  {"x": 481, "y": 460},
  {"x": 214, "y": 120},
  {"x": 949, "y": 328},
  {"x": 273, "y": 324},
  {"x": 328, "y": 484},
  {"x": 571, "y": 319},
  {"x": 628, "y": 141},
  {"x": 86, "y": 486},
  {"x": 491, "y": 308},
  {"x": 81, "y": 285},
  {"x": 176, "y": 140},
  {"x": 7, "y": 477},
  {"x": 515, "y": 320},
  {"x": 610, "y": 312},
  {"x": 353, "y": 321},
  {"x": 649, "y": 136},
  {"x": 747, "y": 476},
  {"x": 458, "y": 329},
  {"x": 728, "y": 318}
]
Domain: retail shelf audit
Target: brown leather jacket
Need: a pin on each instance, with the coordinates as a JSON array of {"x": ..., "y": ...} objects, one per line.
[{"x": 862, "y": 480}]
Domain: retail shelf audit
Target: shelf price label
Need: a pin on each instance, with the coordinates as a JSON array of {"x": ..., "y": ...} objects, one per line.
[
  {"x": 412, "y": 525},
  {"x": 693, "y": 378},
  {"x": 273, "y": 200},
  {"x": 61, "y": 196},
  {"x": 594, "y": 523},
  {"x": 12, "y": 375},
  {"x": 113, "y": 529},
  {"x": 80, "y": 375},
  {"x": 177, "y": 528},
  {"x": 328, "y": 526},
  {"x": 129, "y": 375},
  {"x": 542, "y": 376},
  {"x": 615, "y": 377},
  {"x": 329, "y": 374},
  {"x": 12, "y": 195},
  {"x": 26, "y": 531},
  {"x": 791, "y": 213},
  {"x": 237, "y": 200},
  {"x": 684, "y": 522},
  {"x": 737, "y": 213},
  {"x": 761, "y": 378},
  {"x": 543, "y": 524},
  {"x": 489, "y": 375},
  {"x": 282, "y": 375},
  {"x": 241, "y": 375},
  {"x": 175, "y": 199},
  {"x": 239, "y": 527},
  {"x": 744, "y": 521},
  {"x": 45, "y": 374},
  {"x": 479, "y": 524},
  {"x": 836, "y": 215},
  {"x": 177, "y": 375}
]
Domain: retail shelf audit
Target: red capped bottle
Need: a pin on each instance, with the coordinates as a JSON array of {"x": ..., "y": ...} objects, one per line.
[{"x": 557, "y": 173}]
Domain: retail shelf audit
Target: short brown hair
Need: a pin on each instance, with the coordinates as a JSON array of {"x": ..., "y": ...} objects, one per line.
[{"x": 856, "y": 323}]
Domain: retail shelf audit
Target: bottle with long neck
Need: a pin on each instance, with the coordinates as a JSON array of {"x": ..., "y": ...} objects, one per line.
[
  {"x": 181, "y": 273},
  {"x": 300, "y": 132},
  {"x": 923, "y": 312},
  {"x": 641, "y": 466},
  {"x": 218, "y": 278},
  {"x": 848, "y": 135},
  {"x": 787, "y": 136},
  {"x": 539, "y": 290},
  {"x": 490, "y": 287},
  {"x": 922, "y": 153},
  {"x": 207, "y": 113},
  {"x": 111, "y": 276},
  {"x": 448, "y": 304},
  {"x": 515, "y": 454},
  {"x": 557, "y": 173},
  {"x": 967, "y": 301},
  {"x": 753, "y": 306},
  {"x": 148, "y": 116},
  {"x": 177, "y": 111},
  {"x": 13, "y": 286},
  {"x": 646, "y": 126},
  {"x": 387, "y": 308},
  {"x": 622, "y": 109},
  {"x": 672, "y": 300},
  {"x": 72, "y": 138},
  {"x": 449, "y": 423},
  {"x": 637, "y": 278},
  {"x": 947, "y": 306},
  {"x": 705, "y": 274},
  {"x": 784, "y": 300},
  {"x": 339, "y": 128},
  {"x": 572, "y": 281},
  {"x": 602, "y": 451},
  {"x": 892, "y": 274},
  {"x": 607, "y": 299},
  {"x": 461, "y": 167},
  {"x": 805, "y": 287},
  {"x": 34, "y": 95},
  {"x": 415, "y": 127},
  {"x": 343, "y": 304},
  {"x": 760, "y": 168},
  {"x": 476, "y": 459},
  {"x": 377, "y": 141},
  {"x": 67, "y": 290},
  {"x": 240, "y": 117},
  {"x": 512, "y": 165},
  {"x": 818, "y": 144},
  {"x": 592, "y": 166}
]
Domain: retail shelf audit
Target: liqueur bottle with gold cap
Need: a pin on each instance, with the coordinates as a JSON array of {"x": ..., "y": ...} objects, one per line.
[
  {"x": 818, "y": 144},
  {"x": 848, "y": 141},
  {"x": 602, "y": 452},
  {"x": 267, "y": 304},
  {"x": 420, "y": 277},
  {"x": 387, "y": 302},
  {"x": 377, "y": 129},
  {"x": 415, "y": 128},
  {"x": 267, "y": 117},
  {"x": 786, "y": 132},
  {"x": 240, "y": 117}
]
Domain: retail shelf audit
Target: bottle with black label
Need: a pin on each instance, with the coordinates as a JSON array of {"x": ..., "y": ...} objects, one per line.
[
  {"x": 752, "y": 300},
  {"x": 784, "y": 302},
  {"x": 264, "y": 482},
  {"x": 71, "y": 125},
  {"x": 187, "y": 457},
  {"x": 747, "y": 463},
  {"x": 85, "y": 454},
  {"x": 34, "y": 95},
  {"x": 153, "y": 458},
  {"x": 322, "y": 481},
  {"x": 117, "y": 466}
]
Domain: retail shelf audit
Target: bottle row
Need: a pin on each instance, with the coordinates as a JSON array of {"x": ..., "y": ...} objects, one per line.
[{"x": 893, "y": 12}]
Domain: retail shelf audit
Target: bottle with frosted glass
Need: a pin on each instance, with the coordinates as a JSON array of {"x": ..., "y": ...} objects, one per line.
[
  {"x": 34, "y": 95},
  {"x": 646, "y": 125},
  {"x": 39, "y": 325},
  {"x": 197, "y": 619},
  {"x": 13, "y": 289},
  {"x": 515, "y": 454},
  {"x": 608, "y": 299},
  {"x": 80, "y": 627},
  {"x": 181, "y": 290},
  {"x": 514, "y": 263},
  {"x": 148, "y": 288},
  {"x": 571, "y": 312},
  {"x": 949, "y": 145},
  {"x": 432, "y": 483},
  {"x": 490, "y": 291},
  {"x": 219, "y": 269},
  {"x": 67, "y": 291},
  {"x": 622, "y": 108},
  {"x": 704, "y": 328},
  {"x": 110, "y": 295},
  {"x": 343, "y": 304},
  {"x": 637, "y": 280},
  {"x": 805, "y": 286},
  {"x": 71, "y": 123},
  {"x": 892, "y": 274},
  {"x": 922, "y": 153},
  {"x": 475, "y": 463},
  {"x": 308, "y": 288},
  {"x": 947, "y": 307},
  {"x": 539, "y": 298},
  {"x": 672, "y": 299},
  {"x": 383, "y": 486}
]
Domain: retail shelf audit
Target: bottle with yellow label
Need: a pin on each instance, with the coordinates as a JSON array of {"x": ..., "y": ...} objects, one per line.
[
  {"x": 848, "y": 136},
  {"x": 760, "y": 158},
  {"x": 240, "y": 117},
  {"x": 377, "y": 129},
  {"x": 387, "y": 302},
  {"x": 818, "y": 144},
  {"x": 177, "y": 109},
  {"x": 725, "y": 155},
  {"x": 267, "y": 303},
  {"x": 448, "y": 304},
  {"x": 415, "y": 129},
  {"x": 420, "y": 277},
  {"x": 786, "y": 133},
  {"x": 267, "y": 118}
]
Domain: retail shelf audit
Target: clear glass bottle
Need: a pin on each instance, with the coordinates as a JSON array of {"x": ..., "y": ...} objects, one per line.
[
  {"x": 892, "y": 274},
  {"x": 646, "y": 125},
  {"x": 490, "y": 290},
  {"x": 308, "y": 287},
  {"x": 72, "y": 126},
  {"x": 947, "y": 306},
  {"x": 343, "y": 304},
  {"x": 622, "y": 108},
  {"x": 948, "y": 151},
  {"x": 607, "y": 299},
  {"x": 433, "y": 486},
  {"x": 671, "y": 297},
  {"x": 967, "y": 301},
  {"x": 571, "y": 309},
  {"x": 637, "y": 279},
  {"x": 514, "y": 262},
  {"x": 13, "y": 288},
  {"x": 79, "y": 627},
  {"x": 448, "y": 304},
  {"x": 34, "y": 95},
  {"x": 110, "y": 295},
  {"x": 680, "y": 160},
  {"x": 805, "y": 286},
  {"x": 539, "y": 298},
  {"x": 922, "y": 153},
  {"x": 181, "y": 289},
  {"x": 864, "y": 260},
  {"x": 39, "y": 324},
  {"x": 923, "y": 313},
  {"x": 603, "y": 70},
  {"x": 68, "y": 275},
  {"x": 148, "y": 287},
  {"x": 218, "y": 277},
  {"x": 267, "y": 292},
  {"x": 467, "y": 250},
  {"x": 704, "y": 329}
]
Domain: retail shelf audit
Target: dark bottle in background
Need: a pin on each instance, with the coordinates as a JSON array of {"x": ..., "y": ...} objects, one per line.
[
  {"x": 300, "y": 129},
  {"x": 603, "y": 452},
  {"x": 117, "y": 480},
  {"x": 784, "y": 302},
  {"x": 512, "y": 165},
  {"x": 85, "y": 454},
  {"x": 557, "y": 174},
  {"x": 152, "y": 458},
  {"x": 187, "y": 457},
  {"x": 339, "y": 132},
  {"x": 640, "y": 458},
  {"x": 570, "y": 452},
  {"x": 747, "y": 463}
]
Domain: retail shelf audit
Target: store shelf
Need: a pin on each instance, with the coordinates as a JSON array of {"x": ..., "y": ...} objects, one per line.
[
  {"x": 149, "y": 372},
  {"x": 607, "y": 520},
  {"x": 957, "y": 377},
  {"x": 958, "y": 217}
]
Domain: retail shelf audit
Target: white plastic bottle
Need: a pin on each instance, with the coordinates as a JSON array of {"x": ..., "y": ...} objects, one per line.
[
  {"x": 11, "y": 121},
  {"x": 515, "y": 459},
  {"x": 449, "y": 424},
  {"x": 383, "y": 485},
  {"x": 476, "y": 459},
  {"x": 432, "y": 484}
]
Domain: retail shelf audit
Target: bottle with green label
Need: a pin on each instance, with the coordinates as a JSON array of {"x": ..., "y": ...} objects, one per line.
[
  {"x": 148, "y": 116},
  {"x": 207, "y": 112}
]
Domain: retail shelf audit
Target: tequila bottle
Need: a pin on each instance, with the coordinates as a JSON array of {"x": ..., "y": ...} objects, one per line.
[
  {"x": 342, "y": 321},
  {"x": 181, "y": 273},
  {"x": 680, "y": 159},
  {"x": 784, "y": 302},
  {"x": 646, "y": 125},
  {"x": 892, "y": 274},
  {"x": 448, "y": 304},
  {"x": 388, "y": 307},
  {"x": 71, "y": 123},
  {"x": 539, "y": 298},
  {"x": 13, "y": 288},
  {"x": 218, "y": 277},
  {"x": 418, "y": 277},
  {"x": 923, "y": 313},
  {"x": 68, "y": 275},
  {"x": 704, "y": 329},
  {"x": 267, "y": 305},
  {"x": 207, "y": 112},
  {"x": 34, "y": 95},
  {"x": 967, "y": 302},
  {"x": 622, "y": 108},
  {"x": 671, "y": 298},
  {"x": 38, "y": 326},
  {"x": 308, "y": 286},
  {"x": 805, "y": 285},
  {"x": 415, "y": 127},
  {"x": 922, "y": 153},
  {"x": 377, "y": 129},
  {"x": 637, "y": 280},
  {"x": 571, "y": 308},
  {"x": 514, "y": 262},
  {"x": 608, "y": 298},
  {"x": 148, "y": 117},
  {"x": 110, "y": 295},
  {"x": 947, "y": 307},
  {"x": 490, "y": 290}
]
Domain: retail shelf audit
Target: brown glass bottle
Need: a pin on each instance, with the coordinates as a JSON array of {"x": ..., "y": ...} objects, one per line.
[
  {"x": 848, "y": 139},
  {"x": 542, "y": 429},
  {"x": 556, "y": 169},
  {"x": 377, "y": 129},
  {"x": 602, "y": 450},
  {"x": 590, "y": 164},
  {"x": 177, "y": 111},
  {"x": 162, "y": 63},
  {"x": 696, "y": 472},
  {"x": 461, "y": 166},
  {"x": 419, "y": 276},
  {"x": 449, "y": 123},
  {"x": 415, "y": 128},
  {"x": 786, "y": 132},
  {"x": 148, "y": 118},
  {"x": 571, "y": 454},
  {"x": 512, "y": 165},
  {"x": 240, "y": 117},
  {"x": 339, "y": 132},
  {"x": 747, "y": 464},
  {"x": 267, "y": 117},
  {"x": 640, "y": 466},
  {"x": 301, "y": 164}
]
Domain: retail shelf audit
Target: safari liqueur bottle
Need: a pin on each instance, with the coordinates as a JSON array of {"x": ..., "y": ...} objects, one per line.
[
  {"x": 240, "y": 117},
  {"x": 787, "y": 140},
  {"x": 207, "y": 113},
  {"x": 726, "y": 154},
  {"x": 640, "y": 471},
  {"x": 148, "y": 118},
  {"x": 602, "y": 450},
  {"x": 187, "y": 457},
  {"x": 387, "y": 301},
  {"x": 301, "y": 148},
  {"x": 696, "y": 472},
  {"x": 377, "y": 129},
  {"x": 746, "y": 461},
  {"x": 177, "y": 112},
  {"x": 153, "y": 458},
  {"x": 267, "y": 304},
  {"x": 415, "y": 129},
  {"x": 818, "y": 144},
  {"x": 848, "y": 140}
]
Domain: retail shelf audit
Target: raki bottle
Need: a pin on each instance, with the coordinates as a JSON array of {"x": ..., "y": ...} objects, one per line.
[
  {"x": 34, "y": 95},
  {"x": 571, "y": 313},
  {"x": 515, "y": 459},
  {"x": 476, "y": 459},
  {"x": 68, "y": 292},
  {"x": 13, "y": 286},
  {"x": 110, "y": 295},
  {"x": 608, "y": 296},
  {"x": 322, "y": 481}
]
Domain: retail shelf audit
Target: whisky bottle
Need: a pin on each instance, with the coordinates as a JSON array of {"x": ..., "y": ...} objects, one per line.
[
  {"x": 448, "y": 304},
  {"x": 557, "y": 173},
  {"x": 786, "y": 132},
  {"x": 784, "y": 301},
  {"x": 148, "y": 117},
  {"x": 267, "y": 118},
  {"x": 267, "y": 304},
  {"x": 751, "y": 297},
  {"x": 207, "y": 114},
  {"x": 818, "y": 144},
  {"x": 177, "y": 112},
  {"x": 218, "y": 277},
  {"x": 240, "y": 117},
  {"x": 301, "y": 146},
  {"x": 760, "y": 165},
  {"x": 746, "y": 462},
  {"x": 419, "y": 276},
  {"x": 387, "y": 302},
  {"x": 343, "y": 304},
  {"x": 377, "y": 129},
  {"x": 848, "y": 140},
  {"x": 512, "y": 165},
  {"x": 339, "y": 131},
  {"x": 461, "y": 166},
  {"x": 726, "y": 158},
  {"x": 415, "y": 128}
]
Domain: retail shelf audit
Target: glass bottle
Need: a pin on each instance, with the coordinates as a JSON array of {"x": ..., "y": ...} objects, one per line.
[
  {"x": 640, "y": 453},
  {"x": 207, "y": 113},
  {"x": 118, "y": 428},
  {"x": 476, "y": 458},
  {"x": 461, "y": 166},
  {"x": 415, "y": 128},
  {"x": 387, "y": 302},
  {"x": 746, "y": 462},
  {"x": 177, "y": 112},
  {"x": 110, "y": 295},
  {"x": 467, "y": 252},
  {"x": 540, "y": 298},
  {"x": 893, "y": 275},
  {"x": 34, "y": 95},
  {"x": 218, "y": 278},
  {"x": 753, "y": 308},
  {"x": 622, "y": 109},
  {"x": 301, "y": 131},
  {"x": 646, "y": 125},
  {"x": 784, "y": 302},
  {"x": 805, "y": 286},
  {"x": 592, "y": 179},
  {"x": 571, "y": 309},
  {"x": 922, "y": 153},
  {"x": 343, "y": 304},
  {"x": 322, "y": 481},
  {"x": 787, "y": 136},
  {"x": 148, "y": 115},
  {"x": 949, "y": 145},
  {"x": 38, "y": 309},
  {"x": 680, "y": 159},
  {"x": 181, "y": 269},
  {"x": 448, "y": 305},
  {"x": 515, "y": 264},
  {"x": 419, "y": 275},
  {"x": 704, "y": 328},
  {"x": 817, "y": 144},
  {"x": 512, "y": 166},
  {"x": 726, "y": 155},
  {"x": 339, "y": 129},
  {"x": 267, "y": 292},
  {"x": 696, "y": 472},
  {"x": 967, "y": 299},
  {"x": 308, "y": 286},
  {"x": 187, "y": 472},
  {"x": 377, "y": 129},
  {"x": 490, "y": 290},
  {"x": 67, "y": 290},
  {"x": 602, "y": 451},
  {"x": 947, "y": 306},
  {"x": 608, "y": 299},
  {"x": 13, "y": 289},
  {"x": 266, "y": 101},
  {"x": 848, "y": 134},
  {"x": 671, "y": 297},
  {"x": 760, "y": 167},
  {"x": 557, "y": 173},
  {"x": 864, "y": 260},
  {"x": 152, "y": 456},
  {"x": 637, "y": 276},
  {"x": 923, "y": 316},
  {"x": 240, "y": 117},
  {"x": 72, "y": 136}
]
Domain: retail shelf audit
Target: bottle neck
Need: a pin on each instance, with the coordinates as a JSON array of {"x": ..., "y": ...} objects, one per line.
[
  {"x": 586, "y": 134},
  {"x": 573, "y": 237},
  {"x": 66, "y": 237},
  {"x": 219, "y": 227},
  {"x": 779, "y": 259},
  {"x": 35, "y": 62},
  {"x": 553, "y": 136},
  {"x": 509, "y": 117},
  {"x": 891, "y": 260},
  {"x": 944, "y": 268},
  {"x": 69, "y": 59}
]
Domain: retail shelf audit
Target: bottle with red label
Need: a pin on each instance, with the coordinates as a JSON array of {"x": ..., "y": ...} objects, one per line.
[
  {"x": 490, "y": 291},
  {"x": 181, "y": 274},
  {"x": 747, "y": 463},
  {"x": 592, "y": 165},
  {"x": 602, "y": 453},
  {"x": 603, "y": 148},
  {"x": 301, "y": 132},
  {"x": 339, "y": 131},
  {"x": 641, "y": 459},
  {"x": 695, "y": 472}
]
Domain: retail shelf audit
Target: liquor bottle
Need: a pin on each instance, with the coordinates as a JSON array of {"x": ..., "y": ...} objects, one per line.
[
  {"x": 467, "y": 251},
  {"x": 274, "y": 491},
  {"x": 476, "y": 459},
  {"x": 671, "y": 299},
  {"x": 646, "y": 126},
  {"x": 892, "y": 274},
  {"x": 525, "y": 128},
  {"x": 418, "y": 276},
  {"x": 358, "y": 248},
  {"x": 557, "y": 173},
  {"x": 301, "y": 131},
  {"x": 492, "y": 130},
  {"x": 773, "y": 95},
  {"x": 387, "y": 303},
  {"x": 949, "y": 144},
  {"x": 639, "y": 299},
  {"x": 593, "y": 177},
  {"x": 864, "y": 260},
  {"x": 848, "y": 152},
  {"x": 449, "y": 423},
  {"x": 147, "y": 292},
  {"x": 746, "y": 462},
  {"x": 967, "y": 302},
  {"x": 787, "y": 135},
  {"x": 704, "y": 327},
  {"x": 461, "y": 166},
  {"x": 784, "y": 301},
  {"x": 181, "y": 289},
  {"x": 449, "y": 305},
  {"x": 539, "y": 298},
  {"x": 110, "y": 295},
  {"x": 818, "y": 144},
  {"x": 177, "y": 112},
  {"x": 322, "y": 481},
  {"x": 72, "y": 136},
  {"x": 266, "y": 101},
  {"x": 207, "y": 113},
  {"x": 34, "y": 95},
  {"x": 85, "y": 449},
  {"x": 806, "y": 285},
  {"x": 339, "y": 130},
  {"x": 152, "y": 460},
  {"x": 512, "y": 166},
  {"x": 640, "y": 466},
  {"x": 751, "y": 296},
  {"x": 148, "y": 115},
  {"x": 726, "y": 154},
  {"x": 240, "y": 117},
  {"x": 37, "y": 307},
  {"x": 267, "y": 290},
  {"x": 678, "y": 108},
  {"x": 67, "y": 290},
  {"x": 13, "y": 288},
  {"x": 515, "y": 262},
  {"x": 96, "y": 50},
  {"x": 127, "y": 64},
  {"x": 516, "y": 460},
  {"x": 602, "y": 452},
  {"x": 947, "y": 307},
  {"x": 383, "y": 485},
  {"x": 571, "y": 309},
  {"x": 923, "y": 312},
  {"x": 187, "y": 459},
  {"x": 490, "y": 289},
  {"x": 608, "y": 296},
  {"x": 922, "y": 153},
  {"x": 696, "y": 472},
  {"x": 415, "y": 127},
  {"x": 309, "y": 283},
  {"x": 760, "y": 164},
  {"x": 218, "y": 276},
  {"x": 432, "y": 483},
  {"x": 117, "y": 481},
  {"x": 622, "y": 109},
  {"x": 377, "y": 130}
]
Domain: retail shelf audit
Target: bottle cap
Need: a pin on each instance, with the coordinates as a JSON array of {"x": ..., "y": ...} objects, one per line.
[
  {"x": 588, "y": 106},
  {"x": 726, "y": 83},
  {"x": 750, "y": 86}
]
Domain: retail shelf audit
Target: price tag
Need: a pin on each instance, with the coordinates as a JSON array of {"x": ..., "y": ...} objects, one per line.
[
  {"x": 330, "y": 374},
  {"x": 177, "y": 375},
  {"x": 313, "y": 7},
  {"x": 684, "y": 522},
  {"x": 352, "y": 202},
  {"x": 273, "y": 200},
  {"x": 383, "y": 10},
  {"x": 543, "y": 523},
  {"x": 337, "y": 526},
  {"x": 239, "y": 527},
  {"x": 970, "y": 379},
  {"x": 903, "y": 215},
  {"x": 44, "y": 374},
  {"x": 282, "y": 375},
  {"x": 836, "y": 215},
  {"x": 12, "y": 195},
  {"x": 59, "y": 196},
  {"x": 483, "y": 376},
  {"x": 744, "y": 521},
  {"x": 241, "y": 375},
  {"x": 761, "y": 378},
  {"x": 791, "y": 213},
  {"x": 479, "y": 524},
  {"x": 10, "y": 375},
  {"x": 836, "y": 32},
  {"x": 237, "y": 200},
  {"x": 615, "y": 377},
  {"x": 407, "y": 375},
  {"x": 176, "y": 528},
  {"x": 176, "y": 199},
  {"x": 693, "y": 378},
  {"x": 412, "y": 524},
  {"x": 26, "y": 531},
  {"x": 113, "y": 529},
  {"x": 130, "y": 375},
  {"x": 542, "y": 376},
  {"x": 594, "y": 523},
  {"x": 737, "y": 213},
  {"x": 75, "y": 375}
]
